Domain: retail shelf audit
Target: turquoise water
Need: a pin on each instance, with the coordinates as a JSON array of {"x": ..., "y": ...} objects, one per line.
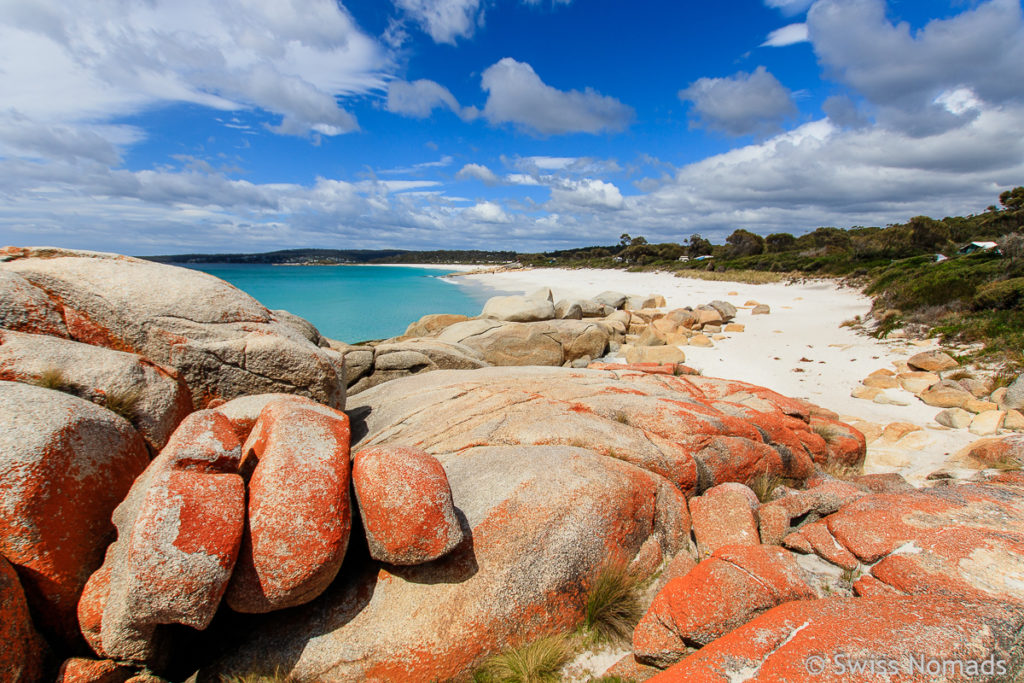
[{"x": 353, "y": 303}]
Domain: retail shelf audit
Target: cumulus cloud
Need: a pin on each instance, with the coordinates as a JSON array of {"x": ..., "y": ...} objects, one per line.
[
  {"x": 909, "y": 76},
  {"x": 742, "y": 104},
  {"x": 477, "y": 172},
  {"x": 787, "y": 35},
  {"x": 420, "y": 98},
  {"x": 66, "y": 63},
  {"x": 517, "y": 95},
  {"x": 444, "y": 20},
  {"x": 789, "y": 7},
  {"x": 487, "y": 212},
  {"x": 588, "y": 193}
]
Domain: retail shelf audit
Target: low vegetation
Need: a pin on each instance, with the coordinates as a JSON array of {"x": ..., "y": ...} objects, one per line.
[
  {"x": 612, "y": 610},
  {"x": 53, "y": 378},
  {"x": 124, "y": 403},
  {"x": 613, "y": 606},
  {"x": 765, "y": 484},
  {"x": 537, "y": 662}
]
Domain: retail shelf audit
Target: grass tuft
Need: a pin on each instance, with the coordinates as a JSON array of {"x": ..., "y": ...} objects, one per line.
[
  {"x": 838, "y": 470},
  {"x": 828, "y": 432},
  {"x": 620, "y": 417},
  {"x": 536, "y": 662},
  {"x": 764, "y": 485},
  {"x": 960, "y": 374},
  {"x": 277, "y": 677},
  {"x": 613, "y": 606},
  {"x": 53, "y": 378},
  {"x": 124, "y": 403}
]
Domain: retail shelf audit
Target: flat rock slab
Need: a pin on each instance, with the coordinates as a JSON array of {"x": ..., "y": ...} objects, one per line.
[{"x": 806, "y": 640}]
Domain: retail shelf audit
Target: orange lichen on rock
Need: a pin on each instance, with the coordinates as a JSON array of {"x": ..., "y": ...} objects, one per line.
[
  {"x": 406, "y": 505},
  {"x": 299, "y": 517}
]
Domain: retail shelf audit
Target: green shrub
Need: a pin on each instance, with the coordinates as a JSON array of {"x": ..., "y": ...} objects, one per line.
[{"x": 1000, "y": 295}]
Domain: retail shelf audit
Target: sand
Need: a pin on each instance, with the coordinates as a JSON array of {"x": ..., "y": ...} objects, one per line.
[{"x": 800, "y": 349}]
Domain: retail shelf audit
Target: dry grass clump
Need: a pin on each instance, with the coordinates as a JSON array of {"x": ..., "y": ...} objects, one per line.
[
  {"x": 123, "y": 403},
  {"x": 53, "y": 378},
  {"x": 838, "y": 470},
  {"x": 764, "y": 485},
  {"x": 536, "y": 662},
  {"x": 276, "y": 677},
  {"x": 828, "y": 432},
  {"x": 613, "y": 606}
]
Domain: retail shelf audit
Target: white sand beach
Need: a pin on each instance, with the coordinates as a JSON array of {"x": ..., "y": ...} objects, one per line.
[{"x": 799, "y": 349}]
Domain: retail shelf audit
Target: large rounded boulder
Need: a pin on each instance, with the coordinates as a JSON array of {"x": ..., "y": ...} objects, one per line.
[
  {"x": 152, "y": 397},
  {"x": 65, "y": 464},
  {"x": 223, "y": 342}
]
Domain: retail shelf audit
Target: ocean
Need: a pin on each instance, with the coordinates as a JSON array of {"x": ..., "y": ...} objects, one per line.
[{"x": 353, "y": 303}]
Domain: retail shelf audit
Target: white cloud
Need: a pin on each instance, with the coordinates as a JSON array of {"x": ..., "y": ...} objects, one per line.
[
  {"x": 742, "y": 104},
  {"x": 67, "y": 63},
  {"x": 517, "y": 95},
  {"x": 487, "y": 212},
  {"x": 444, "y": 20},
  {"x": 477, "y": 172},
  {"x": 904, "y": 74},
  {"x": 787, "y": 35},
  {"x": 419, "y": 98},
  {"x": 789, "y": 7},
  {"x": 587, "y": 193}
]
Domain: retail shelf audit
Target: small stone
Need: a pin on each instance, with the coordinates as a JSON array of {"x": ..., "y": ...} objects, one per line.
[
  {"x": 761, "y": 309},
  {"x": 916, "y": 382},
  {"x": 866, "y": 393},
  {"x": 700, "y": 340},
  {"x": 975, "y": 406},
  {"x": 881, "y": 382},
  {"x": 1014, "y": 420},
  {"x": 987, "y": 423},
  {"x": 944, "y": 396},
  {"x": 655, "y": 354},
  {"x": 954, "y": 418},
  {"x": 735, "y": 327},
  {"x": 932, "y": 361},
  {"x": 895, "y": 431},
  {"x": 1014, "y": 396}
]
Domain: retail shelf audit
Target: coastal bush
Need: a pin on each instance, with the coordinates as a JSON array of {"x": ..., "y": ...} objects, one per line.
[
  {"x": 613, "y": 606},
  {"x": 1000, "y": 295},
  {"x": 536, "y": 662}
]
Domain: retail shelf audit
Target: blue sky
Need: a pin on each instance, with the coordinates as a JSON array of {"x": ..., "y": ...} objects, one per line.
[{"x": 250, "y": 125}]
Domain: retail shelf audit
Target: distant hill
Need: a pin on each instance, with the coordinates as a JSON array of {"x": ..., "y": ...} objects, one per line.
[{"x": 341, "y": 256}]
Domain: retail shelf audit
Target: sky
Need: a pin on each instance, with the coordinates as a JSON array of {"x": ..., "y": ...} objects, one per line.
[{"x": 157, "y": 127}]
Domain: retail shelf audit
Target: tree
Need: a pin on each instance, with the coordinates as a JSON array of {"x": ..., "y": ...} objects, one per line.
[
  {"x": 1013, "y": 199},
  {"x": 744, "y": 243},
  {"x": 780, "y": 241},
  {"x": 697, "y": 246},
  {"x": 638, "y": 240},
  {"x": 927, "y": 234},
  {"x": 624, "y": 239}
]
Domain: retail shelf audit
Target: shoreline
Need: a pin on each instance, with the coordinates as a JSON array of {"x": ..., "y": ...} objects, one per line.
[{"x": 800, "y": 349}]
